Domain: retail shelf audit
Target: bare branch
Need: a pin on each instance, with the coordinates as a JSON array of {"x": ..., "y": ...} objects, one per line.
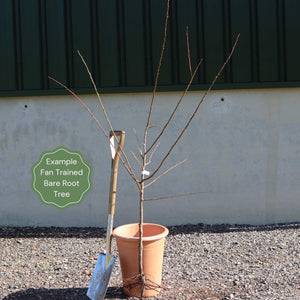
[
  {"x": 176, "y": 196},
  {"x": 157, "y": 74},
  {"x": 130, "y": 172},
  {"x": 176, "y": 107},
  {"x": 173, "y": 167},
  {"x": 96, "y": 90},
  {"x": 196, "y": 110},
  {"x": 104, "y": 111}
]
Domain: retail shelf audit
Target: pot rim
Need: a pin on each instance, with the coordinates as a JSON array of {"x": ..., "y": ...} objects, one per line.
[{"x": 159, "y": 236}]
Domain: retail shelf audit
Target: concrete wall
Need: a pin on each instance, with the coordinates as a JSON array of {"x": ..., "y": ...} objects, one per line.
[{"x": 244, "y": 146}]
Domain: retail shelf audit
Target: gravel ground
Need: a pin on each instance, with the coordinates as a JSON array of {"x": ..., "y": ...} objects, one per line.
[{"x": 200, "y": 262}]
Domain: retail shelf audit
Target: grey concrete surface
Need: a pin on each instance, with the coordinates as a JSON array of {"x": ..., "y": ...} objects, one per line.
[{"x": 243, "y": 147}]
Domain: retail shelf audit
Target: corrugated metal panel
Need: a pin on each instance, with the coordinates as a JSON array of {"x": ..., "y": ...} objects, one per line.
[
  {"x": 121, "y": 42},
  {"x": 7, "y": 47}
]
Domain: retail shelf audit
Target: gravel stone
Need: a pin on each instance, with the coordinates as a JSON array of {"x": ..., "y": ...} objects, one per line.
[{"x": 200, "y": 262}]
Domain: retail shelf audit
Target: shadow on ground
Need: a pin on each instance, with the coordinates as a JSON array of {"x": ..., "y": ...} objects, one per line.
[
  {"x": 51, "y": 232},
  {"x": 62, "y": 294},
  {"x": 219, "y": 228},
  {"x": 93, "y": 232}
]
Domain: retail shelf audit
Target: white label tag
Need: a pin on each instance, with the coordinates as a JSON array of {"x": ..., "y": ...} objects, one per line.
[
  {"x": 112, "y": 147},
  {"x": 147, "y": 173}
]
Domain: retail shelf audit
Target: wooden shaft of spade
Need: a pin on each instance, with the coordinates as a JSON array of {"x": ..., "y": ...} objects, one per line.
[{"x": 115, "y": 152}]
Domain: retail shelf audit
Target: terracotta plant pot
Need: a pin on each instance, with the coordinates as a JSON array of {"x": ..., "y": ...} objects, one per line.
[{"x": 127, "y": 237}]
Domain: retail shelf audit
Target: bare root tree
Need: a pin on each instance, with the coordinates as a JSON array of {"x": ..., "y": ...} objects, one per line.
[{"x": 145, "y": 179}]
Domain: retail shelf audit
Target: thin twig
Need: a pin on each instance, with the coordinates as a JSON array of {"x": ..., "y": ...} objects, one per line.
[
  {"x": 138, "y": 141},
  {"x": 164, "y": 173},
  {"x": 84, "y": 105},
  {"x": 176, "y": 196},
  {"x": 152, "y": 153},
  {"x": 196, "y": 110},
  {"x": 188, "y": 49},
  {"x": 136, "y": 158}
]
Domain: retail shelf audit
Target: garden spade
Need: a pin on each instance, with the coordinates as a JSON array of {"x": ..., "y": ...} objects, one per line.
[{"x": 99, "y": 283}]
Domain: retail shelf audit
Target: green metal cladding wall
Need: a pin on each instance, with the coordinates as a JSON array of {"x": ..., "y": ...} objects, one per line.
[{"x": 121, "y": 41}]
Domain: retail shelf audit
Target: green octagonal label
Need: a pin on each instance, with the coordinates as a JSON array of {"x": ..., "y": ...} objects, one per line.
[{"x": 61, "y": 177}]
